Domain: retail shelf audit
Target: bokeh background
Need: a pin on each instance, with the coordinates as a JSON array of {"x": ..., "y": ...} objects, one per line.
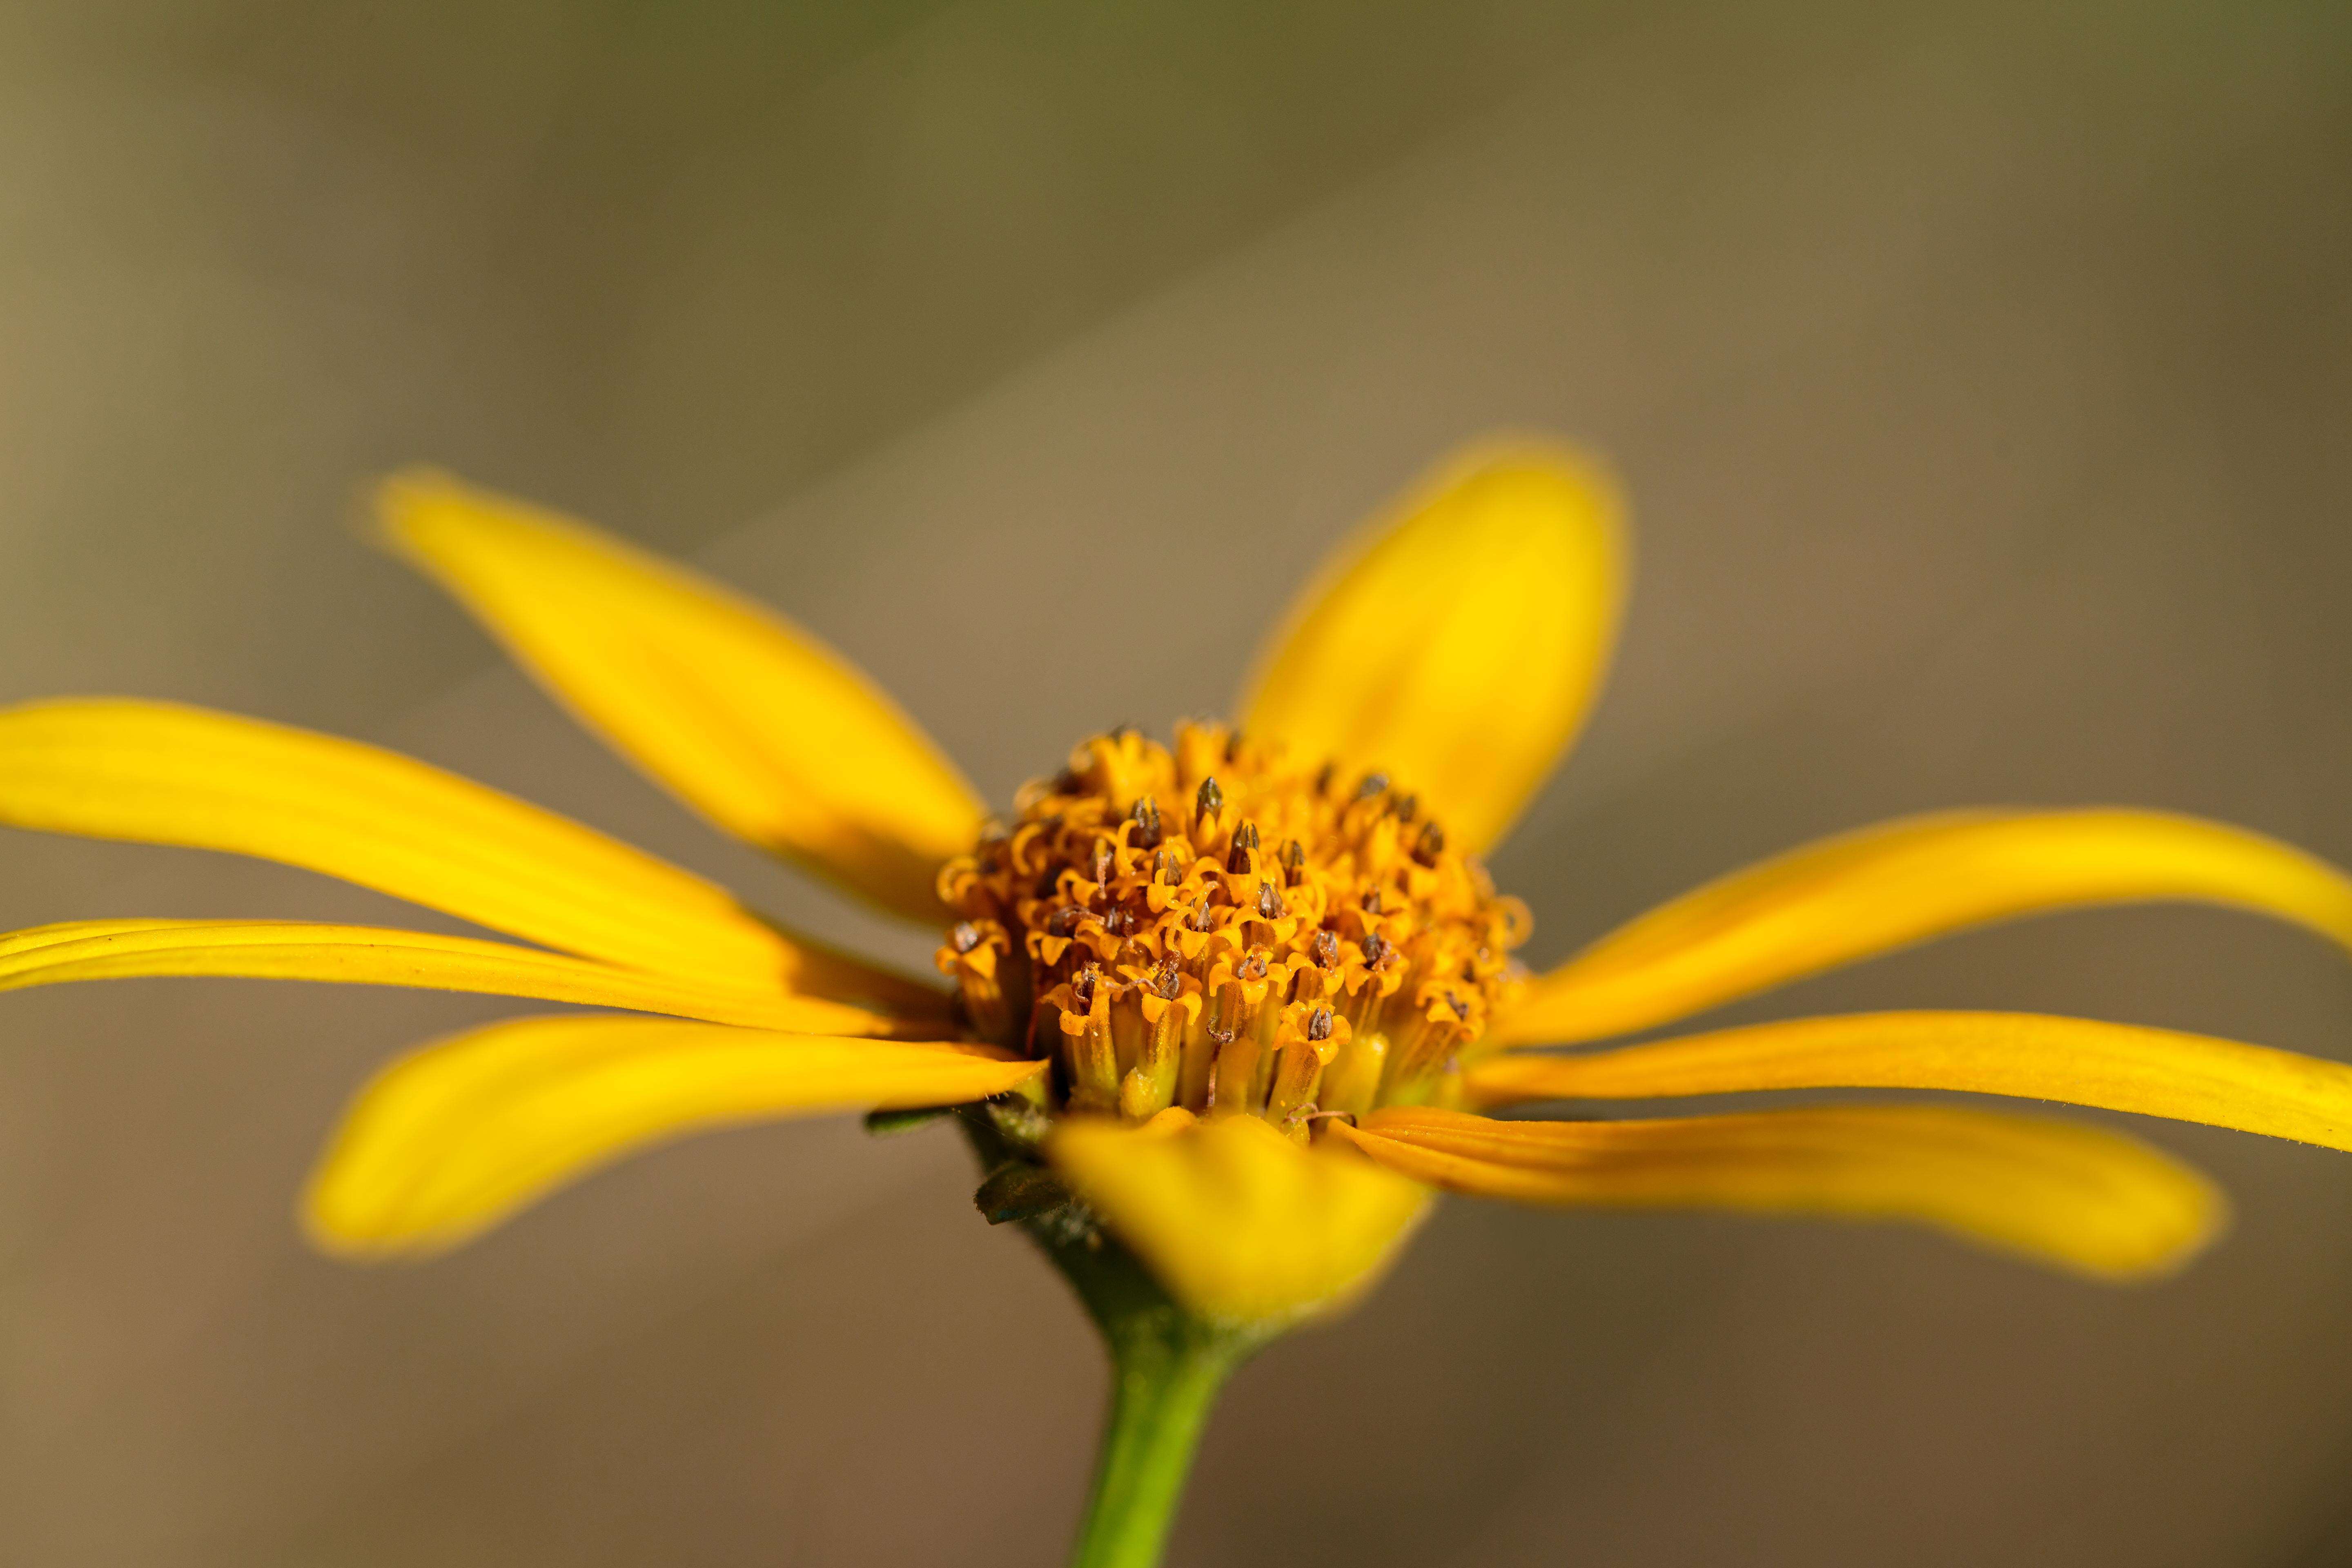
[{"x": 1982, "y": 377}]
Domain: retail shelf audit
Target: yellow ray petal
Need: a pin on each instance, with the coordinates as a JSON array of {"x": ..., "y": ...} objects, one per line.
[
  {"x": 1458, "y": 646},
  {"x": 1866, "y": 892},
  {"x": 2079, "y": 1197},
  {"x": 2079, "y": 1061},
  {"x": 453, "y": 1138},
  {"x": 161, "y": 774},
  {"x": 372, "y": 956},
  {"x": 743, "y": 715},
  {"x": 1236, "y": 1220}
]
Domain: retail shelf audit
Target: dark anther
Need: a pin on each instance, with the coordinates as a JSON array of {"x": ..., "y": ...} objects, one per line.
[
  {"x": 1294, "y": 856},
  {"x": 1461, "y": 1008},
  {"x": 1123, "y": 732},
  {"x": 966, "y": 936},
  {"x": 1210, "y": 799},
  {"x": 1066, "y": 781},
  {"x": 1050, "y": 883},
  {"x": 1319, "y": 1024},
  {"x": 1082, "y": 988},
  {"x": 1165, "y": 980},
  {"x": 1232, "y": 747},
  {"x": 1063, "y": 921},
  {"x": 1202, "y": 920},
  {"x": 1253, "y": 967},
  {"x": 1430, "y": 843},
  {"x": 1372, "y": 901},
  {"x": 1237, "y": 861},
  {"x": 1146, "y": 816},
  {"x": 1324, "y": 950},
  {"x": 1323, "y": 778},
  {"x": 1405, "y": 807},
  {"x": 1373, "y": 786},
  {"x": 1269, "y": 902},
  {"x": 1169, "y": 867},
  {"x": 1120, "y": 922},
  {"x": 1375, "y": 949}
]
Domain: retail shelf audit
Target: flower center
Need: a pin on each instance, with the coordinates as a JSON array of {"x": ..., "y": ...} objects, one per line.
[{"x": 1219, "y": 928}]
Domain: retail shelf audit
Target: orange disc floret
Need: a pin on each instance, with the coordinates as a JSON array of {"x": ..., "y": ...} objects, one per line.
[{"x": 1216, "y": 928}]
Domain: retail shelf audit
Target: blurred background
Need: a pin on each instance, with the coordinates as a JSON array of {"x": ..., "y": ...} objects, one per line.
[{"x": 1982, "y": 377}]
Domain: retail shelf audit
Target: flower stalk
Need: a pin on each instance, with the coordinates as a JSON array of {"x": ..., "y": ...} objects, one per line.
[
  {"x": 1167, "y": 1368},
  {"x": 1168, "y": 1363}
]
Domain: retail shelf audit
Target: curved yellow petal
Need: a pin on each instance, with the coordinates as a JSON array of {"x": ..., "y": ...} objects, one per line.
[
  {"x": 1458, "y": 646},
  {"x": 2079, "y": 1197},
  {"x": 2078, "y": 1061},
  {"x": 451, "y": 1139},
  {"x": 1885, "y": 887},
  {"x": 1235, "y": 1219},
  {"x": 746, "y": 717},
  {"x": 372, "y": 956},
  {"x": 161, "y": 774}
]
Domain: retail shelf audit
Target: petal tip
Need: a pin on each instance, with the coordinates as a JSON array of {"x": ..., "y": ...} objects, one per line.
[{"x": 1237, "y": 1221}]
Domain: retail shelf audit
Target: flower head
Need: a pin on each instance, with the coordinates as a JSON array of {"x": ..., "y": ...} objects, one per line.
[
  {"x": 1240, "y": 1003},
  {"x": 1289, "y": 940}
]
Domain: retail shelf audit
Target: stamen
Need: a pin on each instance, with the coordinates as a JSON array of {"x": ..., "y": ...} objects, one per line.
[
  {"x": 1178, "y": 963},
  {"x": 1244, "y": 846}
]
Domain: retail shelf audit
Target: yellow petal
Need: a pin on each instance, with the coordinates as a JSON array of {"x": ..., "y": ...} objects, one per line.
[
  {"x": 453, "y": 1138},
  {"x": 2079, "y": 1061},
  {"x": 1458, "y": 646},
  {"x": 161, "y": 774},
  {"x": 746, "y": 717},
  {"x": 168, "y": 774},
  {"x": 1235, "y": 1219},
  {"x": 371, "y": 956},
  {"x": 1885, "y": 887},
  {"x": 2079, "y": 1197}
]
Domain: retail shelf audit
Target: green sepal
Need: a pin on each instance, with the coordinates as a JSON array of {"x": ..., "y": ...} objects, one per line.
[{"x": 884, "y": 1123}]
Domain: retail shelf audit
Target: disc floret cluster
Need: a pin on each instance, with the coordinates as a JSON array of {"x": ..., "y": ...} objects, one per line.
[{"x": 1220, "y": 929}]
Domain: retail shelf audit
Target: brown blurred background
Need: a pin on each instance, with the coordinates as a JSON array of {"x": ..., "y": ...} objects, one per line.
[{"x": 1981, "y": 374}]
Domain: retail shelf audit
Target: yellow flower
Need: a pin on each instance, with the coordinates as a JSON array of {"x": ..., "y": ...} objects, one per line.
[{"x": 1241, "y": 999}]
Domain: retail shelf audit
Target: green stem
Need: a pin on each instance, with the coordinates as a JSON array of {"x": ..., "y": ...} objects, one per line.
[
  {"x": 1167, "y": 1363},
  {"x": 1165, "y": 1378}
]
